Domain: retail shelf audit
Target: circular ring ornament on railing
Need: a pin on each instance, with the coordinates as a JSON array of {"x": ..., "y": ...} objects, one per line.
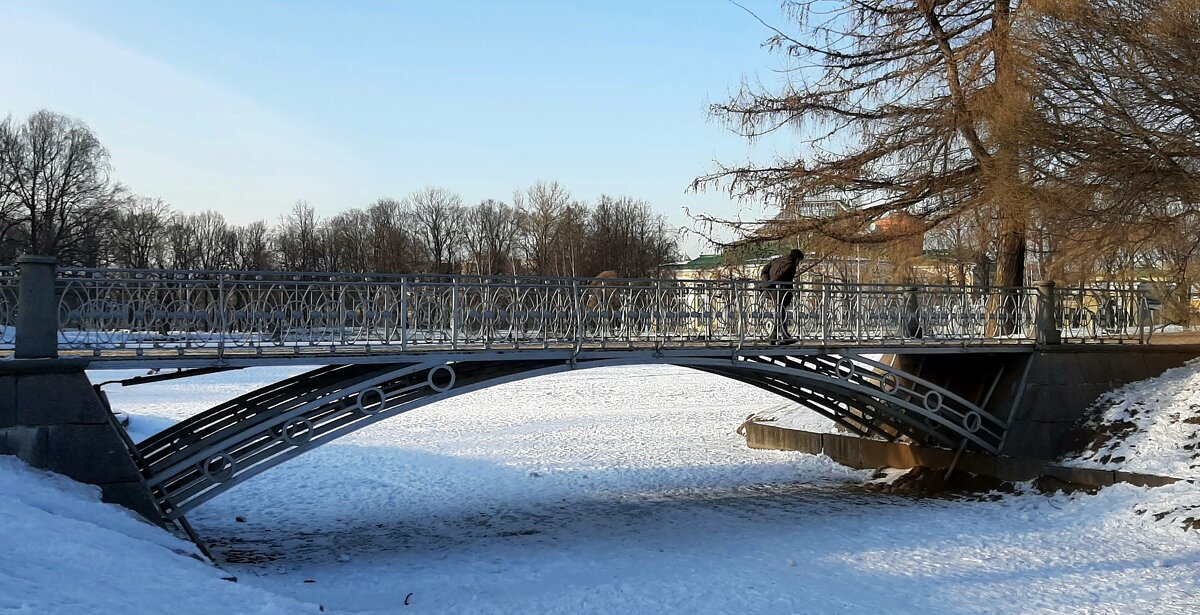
[
  {"x": 933, "y": 401},
  {"x": 972, "y": 421},
  {"x": 297, "y": 431},
  {"x": 431, "y": 381},
  {"x": 889, "y": 383},
  {"x": 848, "y": 365},
  {"x": 368, "y": 407},
  {"x": 218, "y": 468}
]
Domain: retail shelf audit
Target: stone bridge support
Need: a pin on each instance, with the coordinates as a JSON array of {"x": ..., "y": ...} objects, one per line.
[
  {"x": 1044, "y": 396},
  {"x": 50, "y": 416}
]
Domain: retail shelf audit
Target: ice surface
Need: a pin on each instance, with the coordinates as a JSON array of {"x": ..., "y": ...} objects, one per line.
[{"x": 608, "y": 490}]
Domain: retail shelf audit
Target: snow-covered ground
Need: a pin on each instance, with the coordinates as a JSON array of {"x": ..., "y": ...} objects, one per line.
[
  {"x": 1152, "y": 426},
  {"x": 611, "y": 490},
  {"x": 62, "y": 551}
]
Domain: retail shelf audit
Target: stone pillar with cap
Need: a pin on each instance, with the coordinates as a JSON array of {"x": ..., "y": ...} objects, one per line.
[
  {"x": 37, "y": 308},
  {"x": 1045, "y": 319}
]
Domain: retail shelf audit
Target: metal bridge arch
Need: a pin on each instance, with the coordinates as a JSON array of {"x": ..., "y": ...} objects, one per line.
[{"x": 204, "y": 456}]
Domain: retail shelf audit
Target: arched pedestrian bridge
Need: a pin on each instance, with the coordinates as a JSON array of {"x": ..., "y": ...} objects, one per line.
[{"x": 387, "y": 344}]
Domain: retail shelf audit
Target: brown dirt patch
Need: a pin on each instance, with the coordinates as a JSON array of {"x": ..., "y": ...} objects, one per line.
[
  {"x": 1177, "y": 338},
  {"x": 925, "y": 482}
]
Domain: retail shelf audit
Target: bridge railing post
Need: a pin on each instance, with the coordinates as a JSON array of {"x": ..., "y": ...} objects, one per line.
[
  {"x": 710, "y": 309},
  {"x": 37, "y": 309},
  {"x": 577, "y": 298},
  {"x": 1142, "y": 298},
  {"x": 858, "y": 314},
  {"x": 337, "y": 288},
  {"x": 962, "y": 317},
  {"x": 455, "y": 316},
  {"x": 1045, "y": 320},
  {"x": 403, "y": 314},
  {"x": 661, "y": 330},
  {"x": 487, "y": 313},
  {"x": 739, "y": 302},
  {"x": 825, "y": 315},
  {"x": 223, "y": 323},
  {"x": 912, "y": 313}
]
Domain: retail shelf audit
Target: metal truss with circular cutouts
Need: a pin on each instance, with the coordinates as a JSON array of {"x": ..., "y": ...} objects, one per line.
[{"x": 204, "y": 456}]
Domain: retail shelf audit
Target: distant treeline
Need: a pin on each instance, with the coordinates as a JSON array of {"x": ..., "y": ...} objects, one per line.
[{"x": 56, "y": 197}]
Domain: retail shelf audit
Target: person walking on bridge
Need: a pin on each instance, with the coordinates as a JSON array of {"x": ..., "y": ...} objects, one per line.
[{"x": 780, "y": 277}]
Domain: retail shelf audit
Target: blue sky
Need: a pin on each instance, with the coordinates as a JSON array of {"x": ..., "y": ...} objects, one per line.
[{"x": 245, "y": 107}]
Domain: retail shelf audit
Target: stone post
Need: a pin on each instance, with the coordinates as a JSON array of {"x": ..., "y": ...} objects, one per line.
[
  {"x": 37, "y": 310},
  {"x": 1045, "y": 319}
]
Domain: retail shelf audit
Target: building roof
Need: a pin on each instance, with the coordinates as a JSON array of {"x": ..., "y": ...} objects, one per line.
[{"x": 704, "y": 261}]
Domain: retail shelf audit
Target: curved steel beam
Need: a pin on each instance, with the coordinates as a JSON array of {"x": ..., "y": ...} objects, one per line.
[
  {"x": 932, "y": 415},
  {"x": 210, "y": 453}
]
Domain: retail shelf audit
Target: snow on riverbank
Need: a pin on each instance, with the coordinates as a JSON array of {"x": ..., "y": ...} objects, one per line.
[
  {"x": 1151, "y": 426},
  {"x": 794, "y": 416},
  {"x": 63, "y": 551}
]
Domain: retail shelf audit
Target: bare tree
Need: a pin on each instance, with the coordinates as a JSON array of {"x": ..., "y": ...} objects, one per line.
[
  {"x": 347, "y": 239},
  {"x": 491, "y": 231},
  {"x": 571, "y": 240},
  {"x": 183, "y": 252},
  {"x": 908, "y": 106},
  {"x": 297, "y": 240},
  {"x": 137, "y": 237},
  {"x": 216, "y": 242},
  {"x": 653, "y": 239},
  {"x": 1174, "y": 253},
  {"x": 254, "y": 247},
  {"x": 962, "y": 247},
  {"x": 542, "y": 208},
  {"x": 626, "y": 236},
  {"x": 55, "y": 196},
  {"x": 554, "y": 230},
  {"x": 12, "y": 233},
  {"x": 393, "y": 247},
  {"x": 1119, "y": 97},
  {"x": 437, "y": 217},
  {"x": 56, "y": 171}
]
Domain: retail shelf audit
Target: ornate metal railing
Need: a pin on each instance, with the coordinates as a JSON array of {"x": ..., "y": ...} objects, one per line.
[
  {"x": 192, "y": 312},
  {"x": 1111, "y": 314},
  {"x": 8, "y": 305}
]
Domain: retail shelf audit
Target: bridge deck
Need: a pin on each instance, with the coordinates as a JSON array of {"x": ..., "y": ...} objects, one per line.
[
  {"x": 118, "y": 358},
  {"x": 164, "y": 317}
]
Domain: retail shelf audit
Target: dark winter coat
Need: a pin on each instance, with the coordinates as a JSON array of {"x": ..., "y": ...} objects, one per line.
[{"x": 782, "y": 268}]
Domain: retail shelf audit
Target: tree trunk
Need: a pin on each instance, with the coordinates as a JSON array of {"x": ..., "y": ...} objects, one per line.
[
  {"x": 1010, "y": 255},
  {"x": 1010, "y": 274}
]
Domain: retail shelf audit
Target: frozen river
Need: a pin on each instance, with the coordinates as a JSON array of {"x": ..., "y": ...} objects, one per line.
[{"x": 627, "y": 489}]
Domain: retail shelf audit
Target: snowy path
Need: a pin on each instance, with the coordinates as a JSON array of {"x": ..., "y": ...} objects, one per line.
[{"x": 627, "y": 490}]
